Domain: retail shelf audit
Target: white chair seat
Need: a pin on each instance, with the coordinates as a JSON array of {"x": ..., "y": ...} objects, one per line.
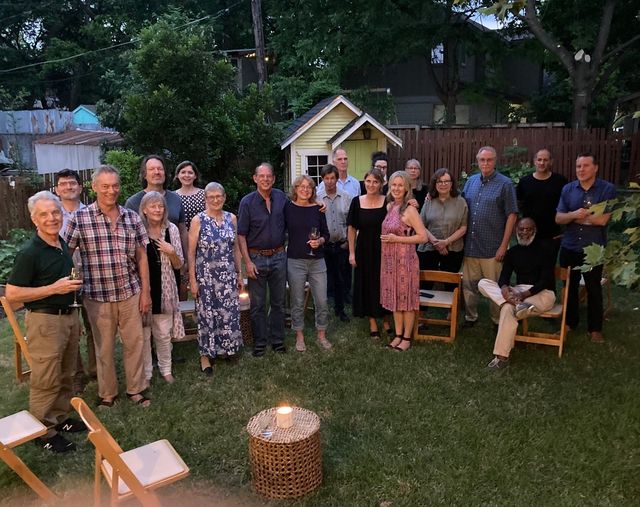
[
  {"x": 20, "y": 427},
  {"x": 152, "y": 464},
  {"x": 440, "y": 297},
  {"x": 187, "y": 306}
]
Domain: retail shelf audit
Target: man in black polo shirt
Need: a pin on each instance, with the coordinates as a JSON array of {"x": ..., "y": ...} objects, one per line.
[
  {"x": 532, "y": 260},
  {"x": 40, "y": 280}
]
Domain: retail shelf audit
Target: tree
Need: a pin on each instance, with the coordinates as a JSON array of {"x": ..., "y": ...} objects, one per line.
[
  {"x": 182, "y": 102},
  {"x": 580, "y": 36}
]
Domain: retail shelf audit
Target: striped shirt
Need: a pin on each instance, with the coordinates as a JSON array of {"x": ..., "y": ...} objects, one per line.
[{"x": 109, "y": 268}]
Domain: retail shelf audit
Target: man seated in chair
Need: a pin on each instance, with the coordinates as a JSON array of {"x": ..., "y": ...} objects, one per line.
[
  {"x": 40, "y": 280},
  {"x": 532, "y": 260}
]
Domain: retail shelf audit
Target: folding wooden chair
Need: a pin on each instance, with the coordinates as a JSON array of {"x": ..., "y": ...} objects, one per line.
[
  {"x": 137, "y": 472},
  {"x": 17, "y": 429},
  {"x": 188, "y": 312},
  {"x": 439, "y": 299},
  {"x": 20, "y": 341},
  {"x": 559, "y": 311}
]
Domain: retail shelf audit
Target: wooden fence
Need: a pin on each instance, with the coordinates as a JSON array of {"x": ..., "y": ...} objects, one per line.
[
  {"x": 13, "y": 205},
  {"x": 456, "y": 148}
]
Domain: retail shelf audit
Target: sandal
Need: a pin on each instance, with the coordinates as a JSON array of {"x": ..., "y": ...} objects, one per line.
[
  {"x": 143, "y": 401},
  {"x": 106, "y": 403},
  {"x": 403, "y": 339},
  {"x": 389, "y": 346},
  {"x": 374, "y": 334}
]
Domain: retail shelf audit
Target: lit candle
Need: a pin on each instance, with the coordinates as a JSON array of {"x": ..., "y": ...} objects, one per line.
[
  {"x": 284, "y": 417},
  {"x": 244, "y": 301}
]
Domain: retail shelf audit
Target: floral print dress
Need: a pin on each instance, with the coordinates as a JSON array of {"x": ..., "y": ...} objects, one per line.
[{"x": 217, "y": 304}]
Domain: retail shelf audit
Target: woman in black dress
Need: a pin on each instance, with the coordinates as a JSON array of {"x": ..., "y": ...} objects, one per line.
[{"x": 365, "y": 219}]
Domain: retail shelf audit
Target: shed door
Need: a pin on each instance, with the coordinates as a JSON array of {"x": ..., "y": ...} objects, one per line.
[{"x": 359, "y": 153}]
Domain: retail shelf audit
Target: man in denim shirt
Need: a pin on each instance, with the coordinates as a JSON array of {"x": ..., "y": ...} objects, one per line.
[
  {"x": 584, "y": 228},
  {"x": 261, "y": 235},
  {"x": 493, "y": 208}
]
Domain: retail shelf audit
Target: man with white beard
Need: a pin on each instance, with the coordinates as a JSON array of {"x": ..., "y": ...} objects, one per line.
[{"x": 532, "y": 260}]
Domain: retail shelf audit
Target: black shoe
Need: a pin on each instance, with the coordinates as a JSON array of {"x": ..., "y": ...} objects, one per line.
[
  {"x": 280, "y": 348},
  {"x": 258, "y": 352},
  {"x": 71, "y": 426},
  {"x": 343, "y": 317},
  {"x": 469, "y": 323},
  {"x": 57, "y": 443}
]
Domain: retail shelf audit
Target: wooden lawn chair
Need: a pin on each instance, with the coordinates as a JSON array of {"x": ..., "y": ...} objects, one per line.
[
  {"x": 440, "y": 299},
  {"x": 559, "y": 311},
  {"x": 20, "y": 341},
  {"x": 137, "y": 472},
  {"x": 17, "y": 429}
]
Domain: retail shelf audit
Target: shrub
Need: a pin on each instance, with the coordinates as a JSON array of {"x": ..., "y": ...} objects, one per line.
[{"x": 9, "y": 248}]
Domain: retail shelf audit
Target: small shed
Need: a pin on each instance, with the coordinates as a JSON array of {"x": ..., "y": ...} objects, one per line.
[
  {"x": 74, "y": 149},
  {"x": 333, "y": 122}
]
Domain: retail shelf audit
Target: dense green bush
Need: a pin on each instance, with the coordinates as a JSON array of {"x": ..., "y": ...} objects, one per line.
[{"x": 9, "y": 248}]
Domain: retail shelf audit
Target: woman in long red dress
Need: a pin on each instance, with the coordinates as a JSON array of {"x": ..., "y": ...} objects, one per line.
[{"x": 402, "y": 230}]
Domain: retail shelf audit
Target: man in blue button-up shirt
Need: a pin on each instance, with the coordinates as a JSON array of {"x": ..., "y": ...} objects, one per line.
[
  {"x": 261, "y": 234},
  {"x": 583, "y": 229},
  {"x": 493, "y": 209}
]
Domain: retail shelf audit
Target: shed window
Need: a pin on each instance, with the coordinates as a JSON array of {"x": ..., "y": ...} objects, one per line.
[{"x": 314, "y": 165}]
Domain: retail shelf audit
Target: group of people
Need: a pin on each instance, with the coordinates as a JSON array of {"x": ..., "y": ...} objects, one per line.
[{"x": 137, "y": 261}]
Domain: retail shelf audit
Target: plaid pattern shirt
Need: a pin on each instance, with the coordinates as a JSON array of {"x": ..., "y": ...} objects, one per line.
[{"x": 109, "y": 268}]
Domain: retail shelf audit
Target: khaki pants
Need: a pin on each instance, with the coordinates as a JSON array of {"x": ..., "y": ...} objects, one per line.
[
  {"x": 508, "y": 326},
  {"x": 53, "y": 344},
  {"x": 90, "y": 370},
  {"x": 106, "y": 319},
  {"x": 473, "y": 270}
]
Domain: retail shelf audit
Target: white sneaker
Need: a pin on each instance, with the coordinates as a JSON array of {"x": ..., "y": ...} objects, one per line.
[{"x": 498, "y": 364}]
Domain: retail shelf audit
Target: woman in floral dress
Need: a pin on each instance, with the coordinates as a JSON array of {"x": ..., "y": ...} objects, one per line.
[
  {"x": 402, "y": 230},
  {"x": 214, "y": 276}
]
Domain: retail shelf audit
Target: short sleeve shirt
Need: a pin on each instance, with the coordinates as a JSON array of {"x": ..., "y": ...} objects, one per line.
[
  {"x": 262, "y": 229},
  {"x": 336, "y": 213},
  {"x": 577, "y": 236},
  {"x": 109, "y": 267},
  {"x": 490, "y": 200},
  {"x": 442, "y": 219},
  {"x": 39, "y": 264}
]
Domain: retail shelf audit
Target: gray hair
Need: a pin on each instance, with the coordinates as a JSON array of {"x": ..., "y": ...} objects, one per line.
[
  {"x": 488, "y": 148},
  {"x": 148, "y": 199},
  {"x": 43, "y": 195},
  {"x": 214, "y": 185},
  {"x": 264, "y": 164},
  {"x": 104, "y": 169}
]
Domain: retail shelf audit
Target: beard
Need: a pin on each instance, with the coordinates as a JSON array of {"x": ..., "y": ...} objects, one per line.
[{"x": 525, "y": 242}]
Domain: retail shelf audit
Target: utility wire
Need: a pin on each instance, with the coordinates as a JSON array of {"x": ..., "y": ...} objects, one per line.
[{"x": 132, "y": 41}]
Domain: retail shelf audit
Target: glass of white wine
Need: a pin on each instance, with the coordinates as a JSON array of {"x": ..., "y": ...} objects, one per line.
[
  {"x": 313, "y": 234},
  {"x": 75, "y": 275}
]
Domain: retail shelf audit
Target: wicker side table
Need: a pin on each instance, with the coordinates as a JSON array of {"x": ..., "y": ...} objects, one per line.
[{"x": 285, "y": 463}]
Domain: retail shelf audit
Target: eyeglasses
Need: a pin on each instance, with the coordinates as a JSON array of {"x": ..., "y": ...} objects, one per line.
[
  {"x": 304, "y": 187},
  {"x": 443, "y": 182},
  {"x": 381, "y": 167}
]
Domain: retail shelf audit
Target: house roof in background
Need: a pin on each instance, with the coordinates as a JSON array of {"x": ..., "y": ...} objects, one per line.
[
  {"x": 82, "y": 137},
  {"x": 88, "y": 107},
  {"x": 303, "y": 123}
]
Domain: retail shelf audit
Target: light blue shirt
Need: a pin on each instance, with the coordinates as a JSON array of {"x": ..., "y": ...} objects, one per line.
[{"x": 350, "y": 185}]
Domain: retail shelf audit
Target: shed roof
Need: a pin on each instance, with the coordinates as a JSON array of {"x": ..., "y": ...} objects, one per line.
[
  {"x": 89, "y": 107},
  {"x": 356, "y": 123},
  {"x": 303, "y": 123},
  {"x": 82, "y": 137}
]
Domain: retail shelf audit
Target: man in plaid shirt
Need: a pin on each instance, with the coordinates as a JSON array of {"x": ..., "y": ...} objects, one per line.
[{"x": 112, "y": 242}]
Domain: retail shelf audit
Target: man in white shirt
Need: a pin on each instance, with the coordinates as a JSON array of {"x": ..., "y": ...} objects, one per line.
[{"x": 346, "y": 183}]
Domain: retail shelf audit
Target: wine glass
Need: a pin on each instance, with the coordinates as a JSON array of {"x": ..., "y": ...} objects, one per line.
[
  {"x": 75, "y": 275},
  {"x": 586, "y": 201},
  {"x": 313, "y": 234}
]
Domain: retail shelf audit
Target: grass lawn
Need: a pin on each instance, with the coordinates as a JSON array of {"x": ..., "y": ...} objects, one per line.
[{"x": 426, "y": 427}]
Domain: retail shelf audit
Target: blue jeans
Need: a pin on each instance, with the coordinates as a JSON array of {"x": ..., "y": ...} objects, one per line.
[
  {"x": 315, "y": 272},
  {"x": 272, "y": 273}
]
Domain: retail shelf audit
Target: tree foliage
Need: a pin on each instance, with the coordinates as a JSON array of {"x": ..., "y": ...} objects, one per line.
[{"x": 181, "y": 101}]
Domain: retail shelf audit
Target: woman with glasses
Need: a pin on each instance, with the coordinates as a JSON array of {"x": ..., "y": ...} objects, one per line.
[
  {"x": 164, "y": 253},
  {"x": 308, "y": 232},
  {"x": 215, "y": 279},
  {"x": 402, "y": 230},
  {"x": 444, "y": 215}
]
